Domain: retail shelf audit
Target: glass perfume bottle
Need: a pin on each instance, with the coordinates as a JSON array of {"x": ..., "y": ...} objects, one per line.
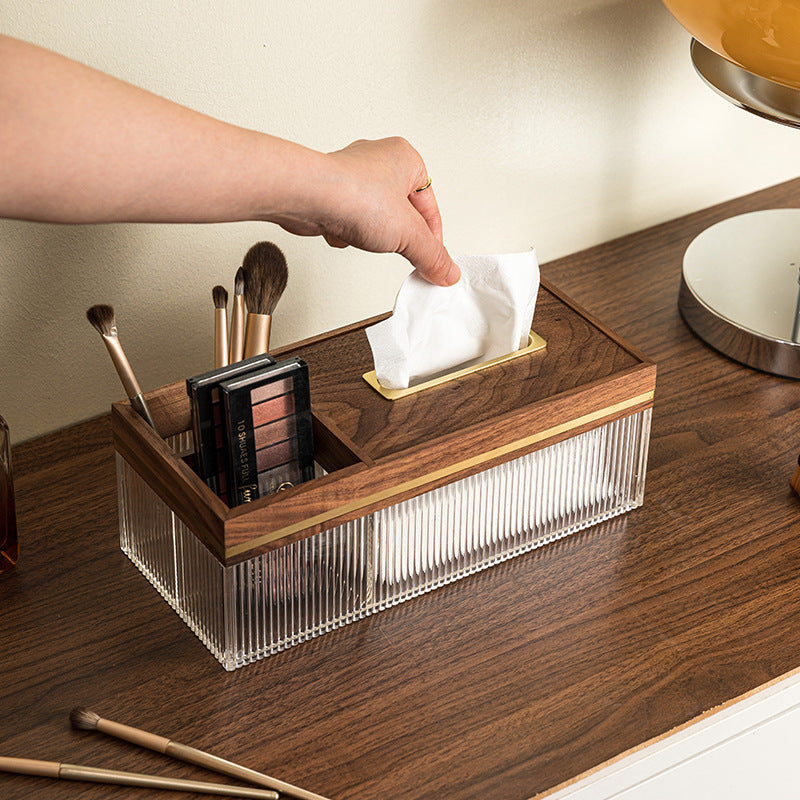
[{"x": 9, "y": 547}]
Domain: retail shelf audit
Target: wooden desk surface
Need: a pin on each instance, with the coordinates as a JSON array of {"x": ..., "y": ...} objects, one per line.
[{"x": 501, "y": 685}]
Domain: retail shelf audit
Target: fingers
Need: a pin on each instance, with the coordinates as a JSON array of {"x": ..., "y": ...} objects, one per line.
[
  {"x": 426, "y": 250},
  {"x": 334, "y": 241},
  {"x": 425, "y": 203},
  {"x": 428, "y": 255}
]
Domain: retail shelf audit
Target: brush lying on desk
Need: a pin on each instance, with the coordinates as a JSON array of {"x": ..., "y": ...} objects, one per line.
[
  {"x": 76, "y": 772},
  {"x": 103, "y": 321},
  {"x": 89, "y": 721}
]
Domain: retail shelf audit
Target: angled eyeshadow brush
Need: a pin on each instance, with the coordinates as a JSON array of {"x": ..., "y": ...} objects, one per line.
[{"x": 103, "y": 321}]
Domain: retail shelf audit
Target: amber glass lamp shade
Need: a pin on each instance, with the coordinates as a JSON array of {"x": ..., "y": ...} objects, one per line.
[{"x": 760, "y": 36}]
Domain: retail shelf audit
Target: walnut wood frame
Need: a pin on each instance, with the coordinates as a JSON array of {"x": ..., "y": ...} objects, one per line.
[{"x": 379, "y": 453}]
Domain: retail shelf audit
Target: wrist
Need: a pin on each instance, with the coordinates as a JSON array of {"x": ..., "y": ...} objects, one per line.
[{"x": 293, "y": 183}]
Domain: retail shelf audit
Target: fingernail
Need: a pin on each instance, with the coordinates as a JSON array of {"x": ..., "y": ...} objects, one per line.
[{"x": 453, "y": 275}]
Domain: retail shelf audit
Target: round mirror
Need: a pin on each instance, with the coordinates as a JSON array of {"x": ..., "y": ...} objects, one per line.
[{"x": 740, "y": 289}]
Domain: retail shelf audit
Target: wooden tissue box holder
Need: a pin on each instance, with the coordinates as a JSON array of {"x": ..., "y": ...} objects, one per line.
[{"x": 417, "y": 492}]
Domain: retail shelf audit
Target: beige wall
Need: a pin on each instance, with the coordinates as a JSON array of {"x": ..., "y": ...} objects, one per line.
[{"x": 554, "y": 123}]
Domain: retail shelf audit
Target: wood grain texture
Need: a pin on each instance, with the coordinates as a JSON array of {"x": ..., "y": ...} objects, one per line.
[{"x": 501, "y": 685}]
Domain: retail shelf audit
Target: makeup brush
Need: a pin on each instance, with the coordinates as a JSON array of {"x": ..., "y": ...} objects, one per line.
[
  {"x": 236, "y": 352},
  {"x": 87, "y": 720},
  {"x": 102, "y": 319},
  {"x": 220, "y": 295},
  {"x": 75, "y": 772},
  {"x": 265, "y": 277}
]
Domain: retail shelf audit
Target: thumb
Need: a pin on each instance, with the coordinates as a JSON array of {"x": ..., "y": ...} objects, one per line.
[{"x": 428, "y": 255}]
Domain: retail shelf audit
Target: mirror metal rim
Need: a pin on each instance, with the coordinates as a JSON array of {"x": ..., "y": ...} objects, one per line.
[
  {"x": 734, "y": 263},
  {"x": 741, "y": 344}
]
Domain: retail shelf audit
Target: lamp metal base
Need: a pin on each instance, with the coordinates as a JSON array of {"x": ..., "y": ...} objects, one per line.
[{"x": 761, "y": 96}]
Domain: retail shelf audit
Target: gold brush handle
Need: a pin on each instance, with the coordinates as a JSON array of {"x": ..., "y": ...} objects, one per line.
[
  {"x": 256, "y": 334},
  {"x": 220, "y": 338},
  {"x": 141, "y": 408},
  {"x": 29, "y": 766},
  {"x": 75, "y": 772},
  {"x": 202, "y": 759},
  {"x": 129, "y": 382},
  {"x": 98, "y": 775},
  {"x": 122, "y": 365},
  {"x": 237, "y": 330}
]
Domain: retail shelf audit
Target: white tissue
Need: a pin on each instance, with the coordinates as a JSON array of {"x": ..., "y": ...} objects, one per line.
[{"x": 438, "y": 329}]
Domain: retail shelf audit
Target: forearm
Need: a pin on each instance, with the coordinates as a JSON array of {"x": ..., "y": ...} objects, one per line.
[{"x": 77, "y": 145}]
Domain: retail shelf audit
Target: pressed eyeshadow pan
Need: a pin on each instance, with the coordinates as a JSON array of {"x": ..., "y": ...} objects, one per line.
[
  {"x": 271, "y": 409},
  {"x": 262, "y": 393},
  {"x": 275, "y": 455},
  {"x": 275, "y": 432}
]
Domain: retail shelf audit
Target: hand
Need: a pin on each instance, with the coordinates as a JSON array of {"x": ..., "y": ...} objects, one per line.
[{"x": 365, "y": 196}]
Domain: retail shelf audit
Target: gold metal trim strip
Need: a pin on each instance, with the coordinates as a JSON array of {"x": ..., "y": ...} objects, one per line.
[
  {"x": 430, "y": 477},
  {"x": 535, "y": 343}
]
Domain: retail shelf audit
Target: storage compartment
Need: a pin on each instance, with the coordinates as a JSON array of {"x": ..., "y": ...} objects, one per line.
[{"x": 411, "y": 494}]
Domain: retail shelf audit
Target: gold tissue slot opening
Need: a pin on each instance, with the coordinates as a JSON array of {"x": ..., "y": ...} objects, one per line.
[{"x": 535, "y": 343}]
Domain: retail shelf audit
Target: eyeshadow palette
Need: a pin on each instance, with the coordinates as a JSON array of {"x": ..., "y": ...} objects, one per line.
[
  {"x": 207, "y": 420},
  {"x": 268, "y": 430}
]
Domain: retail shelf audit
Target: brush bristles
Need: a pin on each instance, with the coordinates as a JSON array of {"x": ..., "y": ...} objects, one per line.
[
  {"x": 83, "y": 719},
  {"x": 265, "y": 277},
  {"x": 238, "y": 282},
  {"x": 220, "y": 295},
  {"x": 102, "y": 319}
]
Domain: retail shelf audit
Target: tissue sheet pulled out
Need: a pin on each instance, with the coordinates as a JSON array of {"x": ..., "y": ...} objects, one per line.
[{"x": 439, "y": 329}]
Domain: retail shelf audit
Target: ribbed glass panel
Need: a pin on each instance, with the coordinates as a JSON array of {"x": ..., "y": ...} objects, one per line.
[
  {"x": 486, "y": 518},
  {"x": 276, "y": 600},
  {"x": 298, "y": 591}
]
